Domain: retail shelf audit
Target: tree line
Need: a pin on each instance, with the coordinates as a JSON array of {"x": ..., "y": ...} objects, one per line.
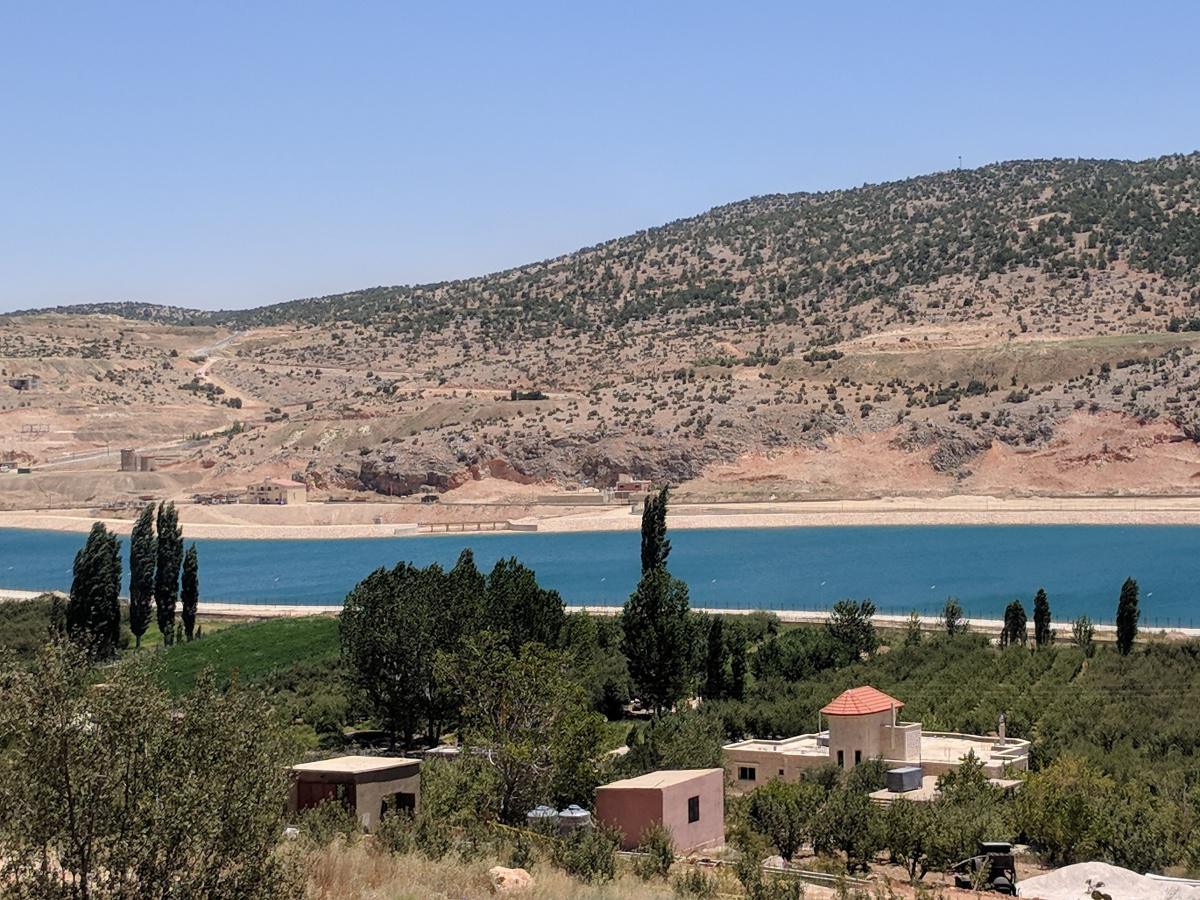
[{"x": 163, "y": 577}]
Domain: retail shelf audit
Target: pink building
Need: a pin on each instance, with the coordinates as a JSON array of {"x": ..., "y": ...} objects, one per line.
[{"x": 689, "y": 802}]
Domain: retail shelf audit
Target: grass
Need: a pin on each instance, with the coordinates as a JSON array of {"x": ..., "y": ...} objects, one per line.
[
  {"x": 357, "y": 872},
  {"x": 253, "y": 651}
]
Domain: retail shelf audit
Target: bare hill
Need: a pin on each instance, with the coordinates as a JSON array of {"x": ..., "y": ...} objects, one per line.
[{"x": 948, "y": 326}]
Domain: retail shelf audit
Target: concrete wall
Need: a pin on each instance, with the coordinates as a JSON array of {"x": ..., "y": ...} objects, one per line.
[
  {"x": 861, "y": 734},
  {"x": 632, "y": 810},
  {"x": 767, "y": 764},
  {"x": 709, "y": 829},
  {"x": 629, "y": 810}
]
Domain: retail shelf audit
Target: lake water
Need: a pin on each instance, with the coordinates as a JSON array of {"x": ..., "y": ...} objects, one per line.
[{"x": 899, "y": 567}]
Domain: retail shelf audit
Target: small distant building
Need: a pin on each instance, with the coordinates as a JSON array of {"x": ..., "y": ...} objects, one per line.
[
  {"x": 863, "y": 726},
  {"x": 368, "y": 786},
  {"x": 628, "y": 487},
  {"x": 128, "y": 460},
  {"x": 136, "y": 461},
  {"x": 278, "y": 491},
  {"x": 690, "y": 803},
  {"x": 25, "y": 383}
]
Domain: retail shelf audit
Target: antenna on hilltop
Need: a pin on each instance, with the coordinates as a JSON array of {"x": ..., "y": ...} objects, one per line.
[{"x": 960, "y": 160}]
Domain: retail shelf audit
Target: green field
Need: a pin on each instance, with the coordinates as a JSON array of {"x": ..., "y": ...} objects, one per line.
[{"x": 252, "y": 652}]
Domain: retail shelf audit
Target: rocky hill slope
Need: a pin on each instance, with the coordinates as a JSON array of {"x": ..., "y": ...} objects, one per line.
[{"x": 936, "y": 321}]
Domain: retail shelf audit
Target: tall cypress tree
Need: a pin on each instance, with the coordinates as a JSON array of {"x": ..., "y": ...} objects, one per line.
[
  {"x": 93, "y": 615},
  {"x": 169, "y": 558},
  {"x": 655, "y": 546},
  {"x": 1015, "y": 625},
  {"x": 715, "y": 659},
  {"x": 142, "y": 553},
  {"x": 189, "y": 593},
  {"x": 1042, "y": 632},
  {"x": 657, "y": 635},
  {"x": 1127, "y": 616}
]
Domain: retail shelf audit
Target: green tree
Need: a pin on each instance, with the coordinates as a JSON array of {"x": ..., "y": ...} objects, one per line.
[
  {"x": 912, "y": 630},
  {"x": 952, "y": 617},
  {"x": 657, "y": 639},
  {"x": 737, "y": 662},
  {"x": 1127, "y": 616},
  {"x": 716, "y": 660},
  {"x": 542, "y": 742},
  {"x": 189, "y": 592},
  {"x": 1043, "y": 633},
  {"x": 784, "y": 813},
  {"x": 168, "y": 559},
  {"x": 1083, "y": 635},
  {"x": 1063, "y": 810},
  {"x": 114, "y": 793},
  {"x": 1016, "y": 630},
  {"x": 387, "y": 646},
  {"x": 517, "y": 606},
  {"x": 142, "y": 556},
  {"x": 906, "y": 831},
  {"x": 93, "y": 614},
  {"x": 851, "y": 625},
  {"x": 655, "y": 546},
  {"x": 846, "y": 822}
]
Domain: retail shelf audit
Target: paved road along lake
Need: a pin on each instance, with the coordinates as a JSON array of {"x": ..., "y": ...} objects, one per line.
[{"x": 899, "y": 567}]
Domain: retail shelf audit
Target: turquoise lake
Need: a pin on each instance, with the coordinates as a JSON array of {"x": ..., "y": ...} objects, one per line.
[{"x": 899, "y": 567}]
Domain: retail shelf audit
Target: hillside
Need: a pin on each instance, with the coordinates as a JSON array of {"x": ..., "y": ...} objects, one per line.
[{"x": 1023, "y": 326}]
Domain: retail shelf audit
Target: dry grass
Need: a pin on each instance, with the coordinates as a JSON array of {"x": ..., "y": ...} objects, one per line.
[{"x": 360, "y": 872}]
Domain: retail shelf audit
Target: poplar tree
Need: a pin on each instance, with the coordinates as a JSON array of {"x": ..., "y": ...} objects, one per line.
[
  {"x": 1042, "y": 632},
  {"x": 169, "y": 557},
  {"x": 93, "y": 615},
  {"x": 655, "y": 546},
  {"x": 715, "y": 659},
  {"x": 658, "y": 637},
  {"x": 142, "y": 552},
  {"x": 189, "y": 593},
  {"x": 1127, "y": 616},
  {"x": 1015, "y": 625}
]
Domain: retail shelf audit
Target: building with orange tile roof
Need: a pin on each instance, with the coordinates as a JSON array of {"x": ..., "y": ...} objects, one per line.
[{"x": 862, "y": 725}]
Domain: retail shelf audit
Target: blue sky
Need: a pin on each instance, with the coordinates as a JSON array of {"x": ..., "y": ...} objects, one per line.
[{"x": 228, "y": 154}]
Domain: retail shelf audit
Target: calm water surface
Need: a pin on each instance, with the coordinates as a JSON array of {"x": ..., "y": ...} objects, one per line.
[{"x": 899, "y": 567}]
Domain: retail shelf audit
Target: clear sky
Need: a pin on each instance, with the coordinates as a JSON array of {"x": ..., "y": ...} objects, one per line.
[{"x": 227, "y": 154}]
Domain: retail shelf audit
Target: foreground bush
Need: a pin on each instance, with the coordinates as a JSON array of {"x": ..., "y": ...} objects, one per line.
[{"x": 118, "y": 790}]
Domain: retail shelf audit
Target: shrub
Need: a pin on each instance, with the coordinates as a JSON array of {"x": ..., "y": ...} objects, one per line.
[
  {"x": 695, "y": 883},
  {"x": 589, "y": 855},
  {"x": 658, "y": 851}
]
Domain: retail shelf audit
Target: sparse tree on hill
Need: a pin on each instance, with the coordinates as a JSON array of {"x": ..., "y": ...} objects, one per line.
[
  {"x": 1043, "y": 633},
  {"x": 1015, "y": 629},
  {"x": 912, "y": 630},
  {"x": 655, "y": 546},
  {"x": 93, "y": 615},
  {"x": 1127, "y": 616},
  {"x": 952, "y": 617},
  {"x": 142, "y": 557},
  {"x": 169, "y": 558},
  {"x": 189, "y": 592}
]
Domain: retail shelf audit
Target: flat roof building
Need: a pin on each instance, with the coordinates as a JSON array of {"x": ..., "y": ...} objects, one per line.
[
  {"x": 690, "y": 803},
  {"x": 862, "y": 725},
  {"x": 368, "y": 786},
  {"x": 278, "y": 491}
]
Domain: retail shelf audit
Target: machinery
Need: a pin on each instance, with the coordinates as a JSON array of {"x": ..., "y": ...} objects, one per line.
[{"x": 992, "y": 869}]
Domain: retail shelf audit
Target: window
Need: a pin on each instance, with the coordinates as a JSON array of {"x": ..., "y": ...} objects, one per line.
[
  {"x": 747, "y": 773},
  {"x": 693, "y": 809},
  {"x": 857, "y": 757},
  {"x": 781, "y": 773},
  {"x": 841, "y": 760}
]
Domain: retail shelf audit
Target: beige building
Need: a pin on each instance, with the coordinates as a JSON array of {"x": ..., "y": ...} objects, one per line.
[
  {"x": 861, "y": 725},
  {"x": 369, "y": 786},
  {"x": 278, "y": 491}
]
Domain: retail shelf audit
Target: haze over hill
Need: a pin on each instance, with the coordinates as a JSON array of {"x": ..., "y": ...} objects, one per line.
[{"x": 1024, "y": 326}]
